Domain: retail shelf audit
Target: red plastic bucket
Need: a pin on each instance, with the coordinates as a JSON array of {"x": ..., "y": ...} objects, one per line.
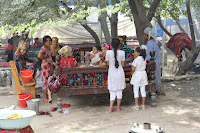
[
  {"x": 23, "y": 97},
  {"x": 27, "y": 75}
]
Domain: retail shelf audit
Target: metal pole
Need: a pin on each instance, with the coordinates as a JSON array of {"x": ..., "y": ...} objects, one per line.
[
  {"x": 100, "y": 33},
  {"x": 163, "y": 46}
]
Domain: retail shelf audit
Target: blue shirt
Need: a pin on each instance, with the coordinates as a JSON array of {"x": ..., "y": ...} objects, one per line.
[{"x": 152, "y": 45}]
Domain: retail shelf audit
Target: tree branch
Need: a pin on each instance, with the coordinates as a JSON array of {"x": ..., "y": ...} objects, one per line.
[
  {"x": 86, "y": 26},
  {"x": 177, "y": 21},
  {"x": 161, "y": 25},
  {"x": 66, "y": 7},
  {"x": 191, "y": 24},
  {"x": 152, "y": 9}
]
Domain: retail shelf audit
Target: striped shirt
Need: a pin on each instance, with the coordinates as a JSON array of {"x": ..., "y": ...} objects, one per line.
[{"x": 126, "y": 49}]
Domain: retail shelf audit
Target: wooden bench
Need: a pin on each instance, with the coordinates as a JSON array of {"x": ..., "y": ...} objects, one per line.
[
  {"x": 95, "y": 88},
  {"x": 20, "y": 86}
]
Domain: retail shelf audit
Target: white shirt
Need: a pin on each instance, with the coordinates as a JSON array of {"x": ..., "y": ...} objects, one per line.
[
  {"x": 96, "y": 58},
  {"x": 139, "y": 77}
]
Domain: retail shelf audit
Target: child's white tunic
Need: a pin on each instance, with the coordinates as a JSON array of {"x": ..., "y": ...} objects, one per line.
[
  {"x": 116, "y": 76},
  {"x": 139, "y": 77}
]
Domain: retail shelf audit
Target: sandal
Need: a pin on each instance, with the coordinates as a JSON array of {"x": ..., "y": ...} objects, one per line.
[
  {"x": 136, "y": 107},
  {"x": 44, "y": 113},
  {"x": 65, "y": 105},
  {"x": 54, "y": 109},
  {"x": 119, "y": 109},
  {"x": 143, "y": 107},
  {"x": 111, "y": 110}
]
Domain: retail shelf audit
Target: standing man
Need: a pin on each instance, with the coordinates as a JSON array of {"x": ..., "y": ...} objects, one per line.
[{"x": 152, "y": 45}]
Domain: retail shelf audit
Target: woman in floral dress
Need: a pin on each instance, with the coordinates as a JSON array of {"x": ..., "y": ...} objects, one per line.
[{"x": 46, "y": 66}]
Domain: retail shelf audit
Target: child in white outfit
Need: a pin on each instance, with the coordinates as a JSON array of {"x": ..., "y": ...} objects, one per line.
[
  {"x": 95, "y": 56},
  {"x": 116, "y": 78},
  {"x": 139, "y": 77}
]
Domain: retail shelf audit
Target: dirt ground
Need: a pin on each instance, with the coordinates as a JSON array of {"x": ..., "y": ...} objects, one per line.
[{"x": 177, "y": 112}]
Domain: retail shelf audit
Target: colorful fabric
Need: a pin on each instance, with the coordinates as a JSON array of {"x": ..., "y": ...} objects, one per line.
[
  {"x": 10, "y": 47},
  {"x": 178, "y": 42},
  {"x": 86, "y": 79},
  {"x": 4, "y": 64},
  {"x": 37, "y": 43},
  {"x": 46, "y": 67},
  {"x": 77, "y": 54},
  {"x": 27, "y": 129},
  {"x": 126, "y": 49},
  {"x": 67, "y": 62}
]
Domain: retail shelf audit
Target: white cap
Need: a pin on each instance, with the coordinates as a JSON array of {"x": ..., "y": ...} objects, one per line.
[{"x": 143, "y": 47}]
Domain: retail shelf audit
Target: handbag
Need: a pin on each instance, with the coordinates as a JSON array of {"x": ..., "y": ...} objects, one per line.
[{"x": 53, "y": 83}]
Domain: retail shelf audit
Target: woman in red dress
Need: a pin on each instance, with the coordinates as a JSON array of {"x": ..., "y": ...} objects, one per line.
[
  {"x": 67, "y": 58},
  {"x": 67, "y": 61}
]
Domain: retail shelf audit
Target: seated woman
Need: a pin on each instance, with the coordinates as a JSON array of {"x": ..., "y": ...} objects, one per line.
[
  {"x": 67, "y": 61},
  {"x": 21, "y": 59}
]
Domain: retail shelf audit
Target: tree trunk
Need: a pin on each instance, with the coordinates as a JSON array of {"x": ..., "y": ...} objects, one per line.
[
  {"x": 114, "y": 22},
  {"x": 140, "y": 19},
  {"x": 104, "y": 27},
  {"x": 91, "y": 31},
  {"x": 188, "y": 63}
]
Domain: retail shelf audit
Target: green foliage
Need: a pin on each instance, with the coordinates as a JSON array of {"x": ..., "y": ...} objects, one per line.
[
  {"x": 16, "y": 15},
  {"x": 177, "y": 7},
  {"x": 196, "y": 6},
  {"x": 17, "y": 12},
  {"x": 33, "y": 14}
]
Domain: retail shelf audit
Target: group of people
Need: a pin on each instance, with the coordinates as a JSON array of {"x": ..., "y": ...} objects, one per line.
[
  {"x": 116, "y": 77},
  {"x": 113, "y": 55},
  {"x": 45, "y": 62}
]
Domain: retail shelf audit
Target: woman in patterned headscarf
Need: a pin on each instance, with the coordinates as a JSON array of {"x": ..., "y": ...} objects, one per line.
[{"x": 21, "y": 58}]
